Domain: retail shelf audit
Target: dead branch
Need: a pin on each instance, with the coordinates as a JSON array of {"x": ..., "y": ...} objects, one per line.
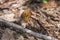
[{"x": 10, "y": 24}]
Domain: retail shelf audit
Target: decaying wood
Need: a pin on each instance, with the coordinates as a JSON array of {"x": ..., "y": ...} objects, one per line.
[{"x": 10, "y": 24}]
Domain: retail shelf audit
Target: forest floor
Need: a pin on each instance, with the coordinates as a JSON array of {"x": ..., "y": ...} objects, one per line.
[{"x": 41, "y": 20}]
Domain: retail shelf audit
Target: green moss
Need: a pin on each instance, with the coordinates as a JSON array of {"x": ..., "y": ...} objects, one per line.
[{"x": 45, "y": 1}]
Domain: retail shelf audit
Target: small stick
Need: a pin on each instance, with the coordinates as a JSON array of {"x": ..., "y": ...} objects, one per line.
[{"x": 10, "y": 24}]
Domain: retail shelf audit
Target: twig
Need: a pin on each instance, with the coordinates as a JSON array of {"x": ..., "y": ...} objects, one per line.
[{"x": 10, "y": 24}]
